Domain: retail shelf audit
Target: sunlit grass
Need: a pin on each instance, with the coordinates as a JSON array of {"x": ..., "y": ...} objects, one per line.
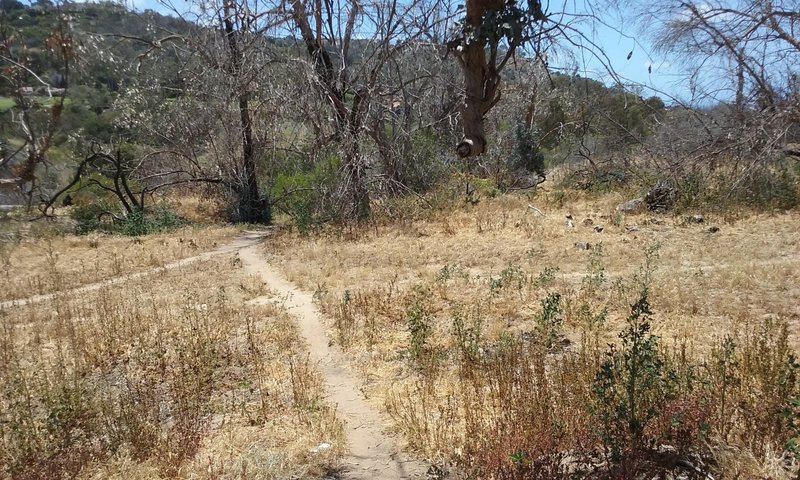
[
  {"x": 493, "y": 264},
  {"x": 168, "y": 376},
  {"x": 40, "y": 264}
]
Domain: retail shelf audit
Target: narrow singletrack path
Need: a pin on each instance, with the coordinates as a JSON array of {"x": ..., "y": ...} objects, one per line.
[
  {"x": 245, "y": 239},
  {"x": 373, "y": 454}
]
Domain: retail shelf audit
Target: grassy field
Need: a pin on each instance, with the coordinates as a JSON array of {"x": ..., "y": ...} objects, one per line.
[
  {"x": 173, "y": 375},
  {"x": 504, "y": 342},
  {"x": 44, "y": 261},
  {"x": 702, "y": 282},
  {"x": 485, "y": 332},
  {"x": 6, "y": 103}
]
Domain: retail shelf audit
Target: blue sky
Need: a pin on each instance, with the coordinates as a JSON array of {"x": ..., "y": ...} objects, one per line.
[
  {"x": 646, "y": 68},
  {"x": 616, "y": 40}
]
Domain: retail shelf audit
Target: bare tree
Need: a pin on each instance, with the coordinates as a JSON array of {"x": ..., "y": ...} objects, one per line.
[
  {"x": 130, "y": 178},
  {"x": 415, "y": 114},
  {"x": 350, "y": 46},
  {"x": 237, "y": 20},
  {"x": 741, "y": 60},
  {"x": 753, "y": 44},
  {"x": 222, "y": 61},
  {"x": 37, "y": 122},
  {"x": 746, "y": 54}
]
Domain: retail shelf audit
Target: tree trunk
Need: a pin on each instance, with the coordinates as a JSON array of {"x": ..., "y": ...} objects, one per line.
[
  {"x": 389, "y": 159},
  {"x": 347, "y": 123},
  {"x": 481, "y": 79},
  {"x": 482, "y": 74},
  {"x": 356, "y": 193},
  {"x": 252, "y": 207}
]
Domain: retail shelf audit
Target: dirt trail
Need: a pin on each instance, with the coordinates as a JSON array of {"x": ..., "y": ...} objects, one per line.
[
  {"x": 373, "y": 454},
  {"x": 244, "y": 240}
]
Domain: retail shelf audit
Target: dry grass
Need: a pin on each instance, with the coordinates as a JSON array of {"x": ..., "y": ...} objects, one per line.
[
  {"x": 170, "y": 376},
  {"x": 34, "y": 264},
  {"x": 751, "y": 265},
  {"x": 197, "y": 208},
  {"x": 408, "y": 297}
]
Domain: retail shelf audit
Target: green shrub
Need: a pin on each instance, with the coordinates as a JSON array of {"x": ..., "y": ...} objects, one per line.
[
  {"x": 772, "y": 186},
  {"x": 632, "y": 385},
  {"x": 512, "y": 275},
  {"x": 484, "y": 187},
  {"x": 550, "y": 320},
  {"x": 302, "y": 192},
  {"x": 467, "y": 332},
  {"x": 427, "y": 164},
  {"x": 89, "y": 217},
  {"x": 92, "y": 217},
  {"x": 526, "y": 154},
  {"x": 134, "y": 224},
  {"x": 418, "y": 319},
  {"x": 142, "y": 222}
]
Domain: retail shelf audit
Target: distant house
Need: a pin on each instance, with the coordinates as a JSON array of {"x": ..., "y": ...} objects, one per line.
[{"x": 26, "y": 91}]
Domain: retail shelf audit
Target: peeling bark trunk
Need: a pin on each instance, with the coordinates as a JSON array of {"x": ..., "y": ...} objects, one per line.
[
  {"x": 481, "y": 77},
  {"x": 477, "y": 51},
  {"x": 480, "y": 80},
  {"x": 474, "y": 66}
]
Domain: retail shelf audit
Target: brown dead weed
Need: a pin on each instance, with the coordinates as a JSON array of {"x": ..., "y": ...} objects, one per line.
[
  {"x": 449, "y": 315},
  {"x": 170, "y": 376}
]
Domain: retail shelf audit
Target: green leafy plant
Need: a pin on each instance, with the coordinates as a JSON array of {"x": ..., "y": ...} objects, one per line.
[
  {"x": 88, "y": 218},
  {"x": 526, "y": 154},
  {"x": 418, "y": 320},
  {"x": 467, "y": 332},
  {"x": 300, "y": 191},
  {"x": 597, "y": 271},
  {"x": 547, "y": 276},
  {"x": 345, "y": 320},
  {"x": 791, "y": 412},
  {"x": 631, "y": 385},
  {"x": 448, "y": 272},
  {"x": 512, "y": 275},
  {"x": 550, "y": 320},
  {"x": 143, "y": 222}
]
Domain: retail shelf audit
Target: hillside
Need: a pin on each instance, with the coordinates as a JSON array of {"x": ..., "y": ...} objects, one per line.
[
  {"x": 94, "y": 79},
  {"x": 123, "y": 91}
]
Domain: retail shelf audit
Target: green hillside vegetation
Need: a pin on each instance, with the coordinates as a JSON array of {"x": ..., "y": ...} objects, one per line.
[
  {"x": 159, "y": 83},
  {"x": 6, "y": 103},
  {"x": 109, "y": 72}
]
